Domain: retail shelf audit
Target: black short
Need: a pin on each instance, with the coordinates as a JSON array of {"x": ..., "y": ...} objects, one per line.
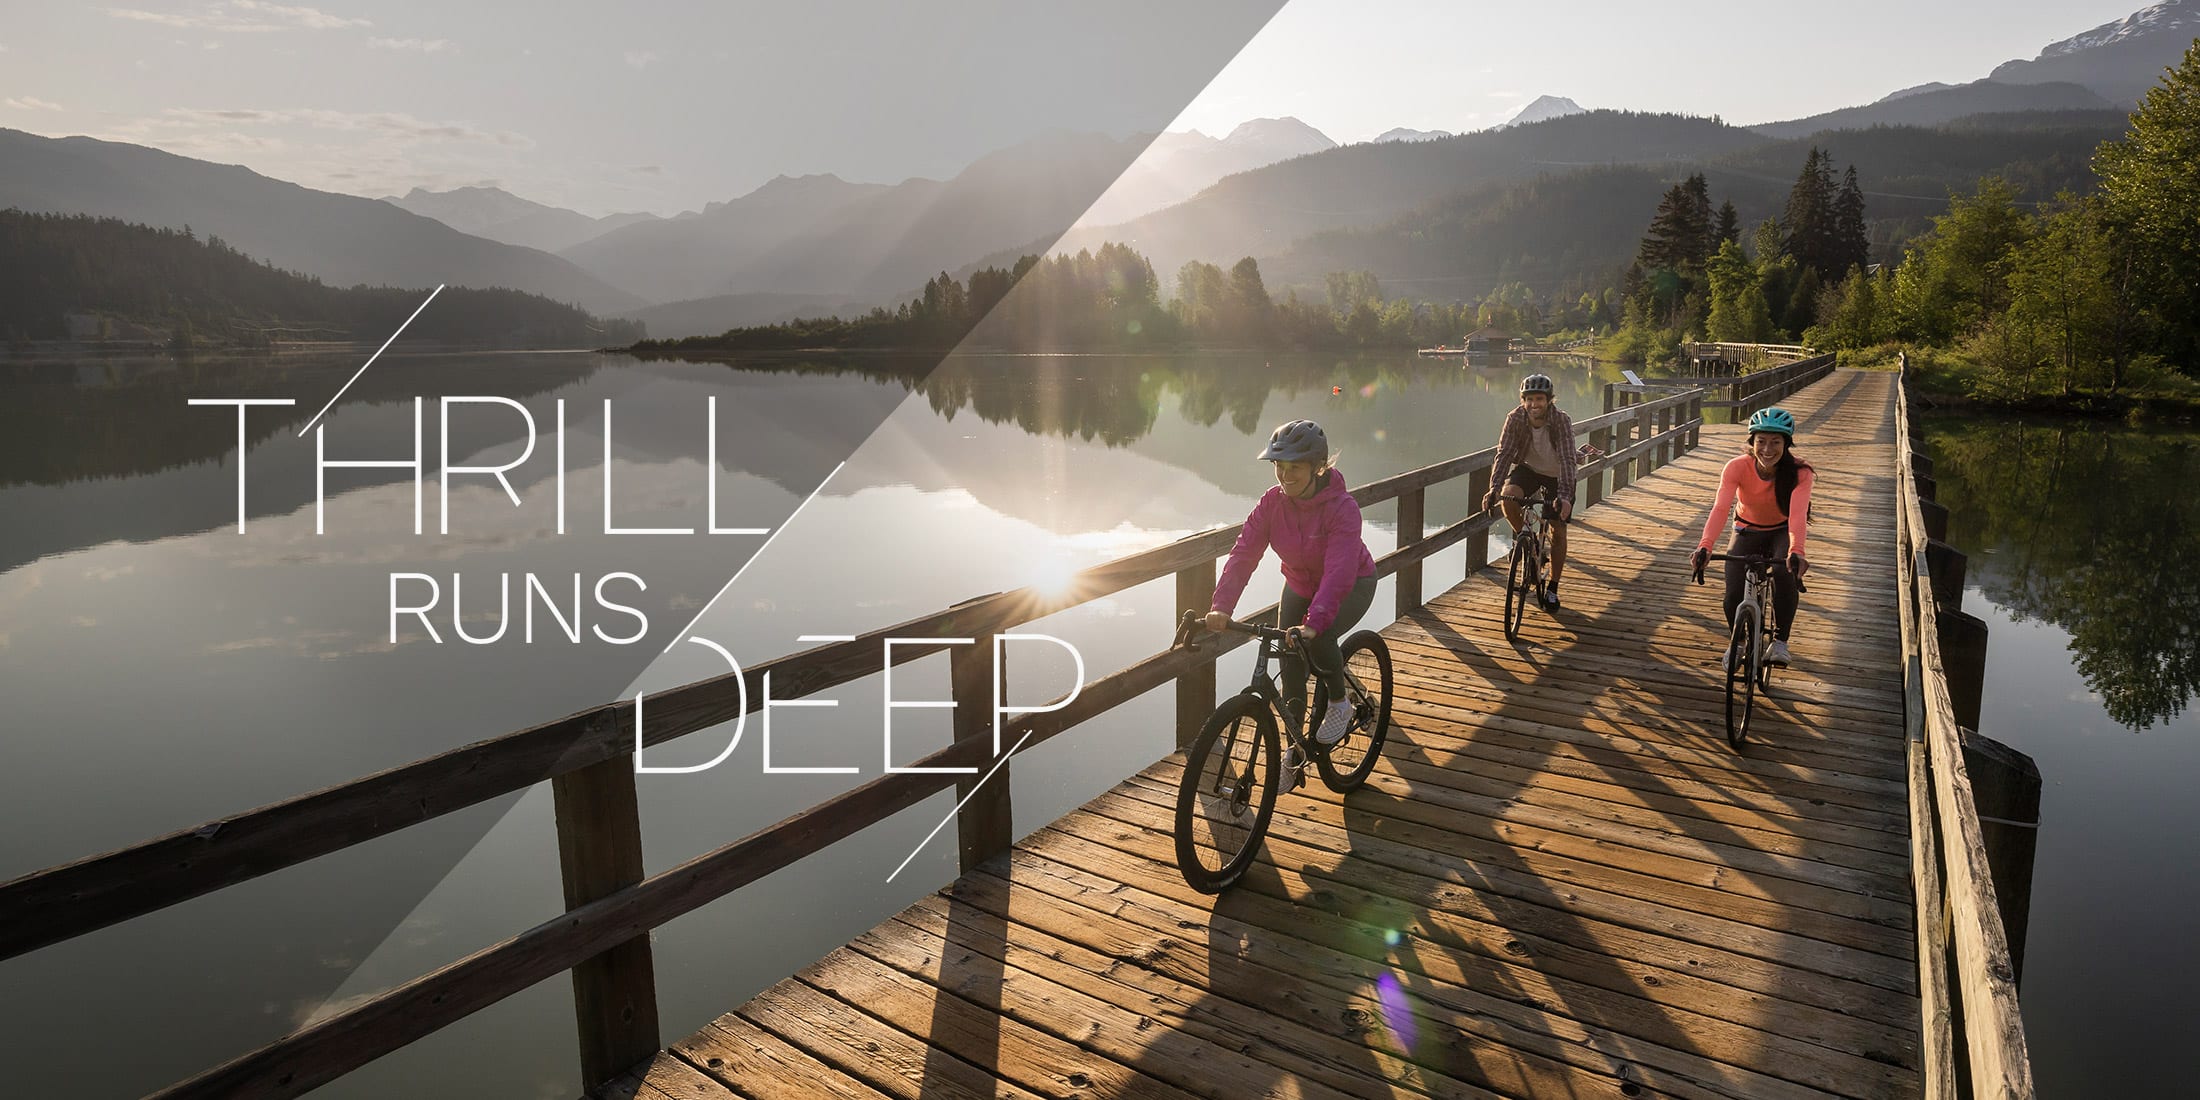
[{"x": 1531, "y": 482}]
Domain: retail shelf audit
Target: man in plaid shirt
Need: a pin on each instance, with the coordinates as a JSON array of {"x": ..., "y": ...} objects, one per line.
[{"x": 1535, "y": 453}]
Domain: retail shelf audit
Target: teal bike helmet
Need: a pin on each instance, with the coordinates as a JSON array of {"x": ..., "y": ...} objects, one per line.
[{"x": 1774, "y": 419}]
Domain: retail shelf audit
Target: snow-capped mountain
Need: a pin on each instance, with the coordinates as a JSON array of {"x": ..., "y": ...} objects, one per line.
[
  {"x": 2119, "y": 61},
  {"x": 1544, "y": 108},
  {"x": 2163, "y": 18}
]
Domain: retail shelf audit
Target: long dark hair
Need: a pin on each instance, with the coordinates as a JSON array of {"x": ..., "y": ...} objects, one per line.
[{"x": 1785, "y": 475}]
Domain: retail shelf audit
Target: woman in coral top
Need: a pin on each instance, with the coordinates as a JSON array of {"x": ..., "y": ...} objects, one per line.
[
  {"x": 1768, "y": 492},
  {"x": 1313, "y": 524}
]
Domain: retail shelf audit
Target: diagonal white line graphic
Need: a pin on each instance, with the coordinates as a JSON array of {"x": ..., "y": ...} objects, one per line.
[
  {"x": 789, "y": 521},
  {"x": 974, "y": 789},
  {"x": 370, "y": 362}
]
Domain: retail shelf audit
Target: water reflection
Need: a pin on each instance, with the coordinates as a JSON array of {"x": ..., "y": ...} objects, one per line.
[
  {"x": 176, "y": 670},
  {"x": 2090, "y": 529}
]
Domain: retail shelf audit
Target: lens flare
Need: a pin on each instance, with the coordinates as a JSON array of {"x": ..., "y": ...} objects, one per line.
[{"x": 1396, "y": 1016}]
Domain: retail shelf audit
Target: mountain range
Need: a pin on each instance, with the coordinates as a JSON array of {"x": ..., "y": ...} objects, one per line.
[
  {"x": 1178, "y": 165},
  {"x": 2119, "y": 60},
  {"x": 339, "y": 239},
  {"x": 1275, "y": 189},
  {"x": 499, "y": 215}
]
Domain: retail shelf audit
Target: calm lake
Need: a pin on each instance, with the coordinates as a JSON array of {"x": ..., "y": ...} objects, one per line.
[
  {"x": 2083, "y": 541},
  {"x": 162, "y": 668}
]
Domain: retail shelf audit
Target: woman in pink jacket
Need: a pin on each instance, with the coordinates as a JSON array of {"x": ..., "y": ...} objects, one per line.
[
  {"x": 1767, "y": 491},
  {"x": 1329, "y": 577}
]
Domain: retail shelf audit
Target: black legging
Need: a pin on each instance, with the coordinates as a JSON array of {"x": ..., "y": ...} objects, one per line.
[
  {"x": 1323, "y": 647},
  {"x": 1787, "y": 591}
]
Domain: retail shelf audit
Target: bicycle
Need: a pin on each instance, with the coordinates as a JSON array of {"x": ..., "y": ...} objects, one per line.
[
  {"x": 1232, "y": 769},
  {"x": 1753, "y": 634},
  {"x": 1531, "y": 557}
]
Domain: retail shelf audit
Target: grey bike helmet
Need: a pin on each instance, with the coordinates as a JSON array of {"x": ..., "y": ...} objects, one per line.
[
  {"x": 1538, "y": 383},
  {"x": 1298, "y": 441}
]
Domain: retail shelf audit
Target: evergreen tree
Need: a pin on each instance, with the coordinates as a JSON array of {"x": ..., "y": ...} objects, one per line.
[
  {"x": 1676, "y": 240},
  {"x": 1701, "y": 220},
  {"x": 1729, "y": 228},
  {"x": 1808, "y": 221},
  {"x": 1852, "y": 245}
]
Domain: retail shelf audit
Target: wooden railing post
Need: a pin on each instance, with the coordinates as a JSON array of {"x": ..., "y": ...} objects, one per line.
[
  {"x": 1695, "y": 416},
  {"x": 984, "y": 826},
  {"x": 1410, "y": 506},
  {"x": 1936, "y": 519},
  {"x": 1643, "y": 462},
  {"x": 1665, "y": 436},
  {"x": 1592, "y": 487},
  {"x": 1478, "y": 543},
  {"x": 600, "y": 853},
  {"x": 1963, "y": 663},
  {"x": 1945, "y": 565},
  {"x": 1620, "y": 433},
  {"x": 1195, "y": 690},
  {"x": 2005, "y": 786}
]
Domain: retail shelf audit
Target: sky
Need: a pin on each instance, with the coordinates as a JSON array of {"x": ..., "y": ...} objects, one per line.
[{"x": 665, "y": 106}]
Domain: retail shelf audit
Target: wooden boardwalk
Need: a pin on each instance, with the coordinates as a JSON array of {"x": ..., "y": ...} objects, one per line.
[{"x": 1559, "y": 882}]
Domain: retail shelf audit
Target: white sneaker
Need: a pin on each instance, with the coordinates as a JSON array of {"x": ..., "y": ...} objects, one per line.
[
  {"x": 1294, "y": 769},
  {"x": 1777, "y": 656},
  {"x": 1726, "y": 660},
  {"x": 1336, "y": 722}
]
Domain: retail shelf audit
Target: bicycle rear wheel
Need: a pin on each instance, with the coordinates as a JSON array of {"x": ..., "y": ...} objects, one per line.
[
  {"x": 1347, "y": 763},
  {"x": 1741, "y": 676},
  {"x": 1518, "y": 578},
  {"x": 1228, "y": 791}
]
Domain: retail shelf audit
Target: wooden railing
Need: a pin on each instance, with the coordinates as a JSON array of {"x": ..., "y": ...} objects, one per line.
[
  {"x": 603, "y": 937},
  {"x": 1973, "y": 1041},
  {"x": 1745, "y": 394}
]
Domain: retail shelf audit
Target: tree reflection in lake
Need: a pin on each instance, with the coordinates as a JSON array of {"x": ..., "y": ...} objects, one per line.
[{"x": 2092, "y": 529}]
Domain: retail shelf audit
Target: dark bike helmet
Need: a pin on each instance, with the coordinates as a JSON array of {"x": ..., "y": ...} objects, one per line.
[
  {"x": 1298, "y": 441},
  {"x": 1538, "y": 383},
  {"x": 1774, "y": 419}
]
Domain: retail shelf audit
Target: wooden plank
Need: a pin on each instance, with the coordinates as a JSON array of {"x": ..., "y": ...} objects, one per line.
[
  {"x": 859, "y": 1045},
  {"x": 1291, "y": 1027},
  {"x": 977, "y": 1032},
  {"x": 1346, "y": 953},
  {"x": 766, "y": 1067},
  {"x": 665, "y": 1077}
]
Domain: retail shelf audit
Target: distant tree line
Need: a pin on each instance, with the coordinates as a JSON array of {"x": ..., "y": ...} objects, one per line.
[
  {"x": 1112, "y": 300},
  {"x": 114, "y": 276},
  {"x": 1693, "y": 278}
]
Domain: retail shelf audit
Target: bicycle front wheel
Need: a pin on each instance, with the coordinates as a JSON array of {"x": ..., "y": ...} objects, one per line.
[
  {"x": 1518, "y": 578},
  {"x": 1347, "y": 763},
  {"x": 1228, "y": 791},
  {"x": 1741, "y": 676}
]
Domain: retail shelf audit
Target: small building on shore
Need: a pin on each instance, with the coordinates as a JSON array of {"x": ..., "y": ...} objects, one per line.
[{"x": 1489, "y": 341}]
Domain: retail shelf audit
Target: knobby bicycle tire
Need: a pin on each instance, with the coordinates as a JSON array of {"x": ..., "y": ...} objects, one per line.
[
  {"x": 1228, "y": 792},
  {"x": 1516, "y": 595},
  {"x": 1347, "y": 763},
  {"x": 1741, "y": 676}
]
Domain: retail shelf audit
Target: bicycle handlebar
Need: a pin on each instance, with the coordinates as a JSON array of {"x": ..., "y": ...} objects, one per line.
[
  {"x": 1777, "y": 565},
  {"x": 1190, "y": 628}
]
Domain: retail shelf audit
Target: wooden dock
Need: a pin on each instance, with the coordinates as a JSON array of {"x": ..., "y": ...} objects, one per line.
[{"x": 1559, "y": 881}]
